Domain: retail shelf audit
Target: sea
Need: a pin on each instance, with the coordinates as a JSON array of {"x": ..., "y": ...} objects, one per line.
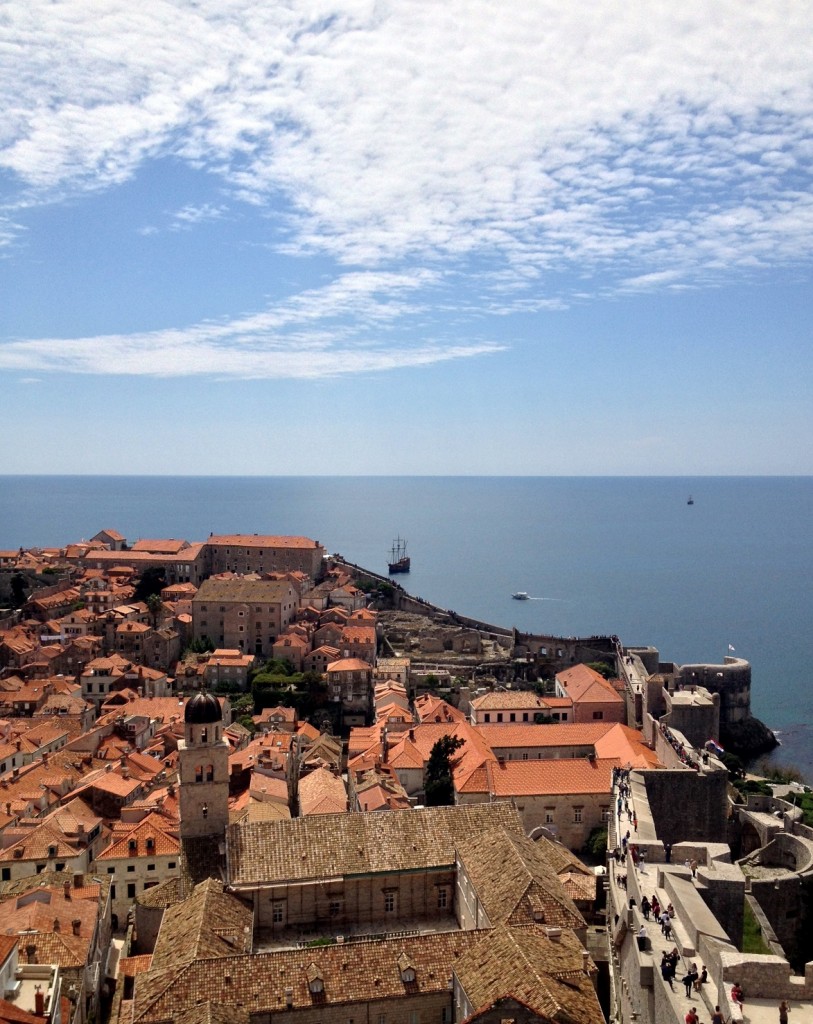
[{"x": 730, "y": 572}]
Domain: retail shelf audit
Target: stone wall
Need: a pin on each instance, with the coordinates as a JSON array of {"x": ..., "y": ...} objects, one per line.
[
  {"x": 732, "y": 680},
  {"x": 687, "y": 805}
]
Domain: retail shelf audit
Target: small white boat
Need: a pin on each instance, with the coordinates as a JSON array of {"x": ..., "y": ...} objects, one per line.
[{"x": 520, "y": 596}]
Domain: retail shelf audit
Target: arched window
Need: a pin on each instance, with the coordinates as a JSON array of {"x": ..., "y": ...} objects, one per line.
[
  {"x": 204, "y": 735},
  {"x": 199, "y": 773},
  {"x": 210, "y": 773}
]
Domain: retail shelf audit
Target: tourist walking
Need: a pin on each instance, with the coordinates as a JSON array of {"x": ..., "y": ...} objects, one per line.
[
  {"x": 717, "y": 1017},
  {"x": 784, "y": 1010},
  {"x": 666, "y": 970},
  {"x": 645, "y": 907}
]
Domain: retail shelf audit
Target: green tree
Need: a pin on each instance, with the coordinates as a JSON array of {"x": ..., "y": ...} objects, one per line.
[
  {"x": 438, "y": 785},
  {"x": 152, "y": 581},
  {"x": 155, "y": 604},
  {"x": 18, "y": 588},
  {"x": 200, "y": 646}
]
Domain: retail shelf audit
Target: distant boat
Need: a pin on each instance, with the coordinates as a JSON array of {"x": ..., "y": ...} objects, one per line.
[
  {"x": 520, "y": 596},
  {"x": 690, "y": 501},
  {"x": 399, "y": 560}
]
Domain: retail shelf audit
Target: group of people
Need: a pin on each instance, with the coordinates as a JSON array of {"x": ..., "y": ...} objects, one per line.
[
  {"x": 669, "y": 962},
  {"x": 694, "y": 979}
]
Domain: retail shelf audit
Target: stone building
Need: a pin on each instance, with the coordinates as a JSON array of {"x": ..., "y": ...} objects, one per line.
[
  {"x": 243, "y": 614},
  {"x": 253, "y": 553}
]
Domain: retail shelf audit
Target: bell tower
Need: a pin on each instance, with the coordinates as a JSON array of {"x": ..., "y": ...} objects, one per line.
[{"x": 203, "y": 756}]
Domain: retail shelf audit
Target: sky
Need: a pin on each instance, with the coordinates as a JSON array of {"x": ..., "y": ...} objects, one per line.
[{"x": 314, "y": 237}]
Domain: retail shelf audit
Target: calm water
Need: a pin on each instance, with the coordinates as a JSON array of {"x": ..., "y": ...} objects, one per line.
[{"x": 599, "y": 555}]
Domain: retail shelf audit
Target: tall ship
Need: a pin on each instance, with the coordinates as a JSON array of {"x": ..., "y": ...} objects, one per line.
[{"x": 399, "y": 559}]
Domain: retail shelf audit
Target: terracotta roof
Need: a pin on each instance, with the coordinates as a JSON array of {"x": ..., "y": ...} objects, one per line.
[
  {"x": 349, "y": 665},
  {"x": 243, "y": 540},
  {"x": 545, "y": 974},
  {"x": 161, "y": 547},
  {"x": 338, "y": 844},
  {"x": 526, "y": 700},
  {"x": 209, "y": 924},
  {"x": 151, "y": 838},
  {"x": 370, "y": 973},
  {"x": 11, "y": 1014},
  {"x": 130, "y": 966},
  {"x": 359, "y": 634},
  {"x": 322, "y": 792},
  {"x": 44, "y": 909},
  {"x": 516, "y": 882},
  {"x": 583, "y": 683},
  {"x": 628, "y": 746},
  {"x": 241, "y": 589},
  {"x": 556, "y": 734},
  {"x": 552, "y": 776},
  {"x": 432, "y": 709}
]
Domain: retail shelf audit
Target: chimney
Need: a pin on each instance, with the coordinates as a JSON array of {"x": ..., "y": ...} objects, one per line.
[
  {"x": 585, "y": 961},
  {"x": 66, "y": 890},
  {"x": 57, "y": 926},
  {"x": 76, "y": 924},
  {"x": 39, "y": 1001},
  {"x": 31, "y": 953}
]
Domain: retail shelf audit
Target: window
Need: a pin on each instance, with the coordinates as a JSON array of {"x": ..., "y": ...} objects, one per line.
[
  {"x": 598, "y": 714},
  {"x": 548, "y": 815},
  {"x": 111, "y": 871},
  {"x": 112, "y": 892},
  {"x": 278, "y": 913},
  {"x": 577, "y": 815},
  {"x": 382, "y": 1018},
  {"x": 131, "y": 867},
  {"x": 499, "y": 716},
  {"x": 131, "y": 889},
  {"x": 210, "y": 773},
  {"x": 389, "y": 902},
  {"x": 414, "y": 1017},
  {"x": 525, "y": 755},
  {"x": 524, "y": 716},
  {"x": 335, "y": 908},
  {"x": 443, "y": 898},
  {"x": 171, "y": 864},
  {"x": 150, "y": 867},
  {"x": 6, "y": 874}
]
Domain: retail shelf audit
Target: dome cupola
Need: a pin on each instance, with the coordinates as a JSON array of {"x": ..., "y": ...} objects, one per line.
[{"x": 202, "y": 709}]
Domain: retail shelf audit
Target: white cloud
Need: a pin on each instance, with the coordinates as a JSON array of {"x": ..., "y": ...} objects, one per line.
[
  {"x": 188, "y": 216},
  {"x": 643, "y": 144},
  {"x": 341, "y": 329}
]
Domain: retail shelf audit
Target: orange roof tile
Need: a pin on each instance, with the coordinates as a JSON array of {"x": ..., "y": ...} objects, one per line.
[
  {"x": 554, "y": 777},
  {"x": 149, "y": 838}
]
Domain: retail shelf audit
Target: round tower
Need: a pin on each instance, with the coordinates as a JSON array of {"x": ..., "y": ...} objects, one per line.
[{"x": 203, "y": 767}]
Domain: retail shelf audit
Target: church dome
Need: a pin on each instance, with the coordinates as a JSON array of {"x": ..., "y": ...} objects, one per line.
[{"x": 202, "y": 709}]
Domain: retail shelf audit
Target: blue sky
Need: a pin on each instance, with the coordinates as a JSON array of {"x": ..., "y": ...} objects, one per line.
[{"x": 367, "y": 237}]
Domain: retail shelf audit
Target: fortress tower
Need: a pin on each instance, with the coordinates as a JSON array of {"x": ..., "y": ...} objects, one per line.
[{"x": 203, "y": 756}]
